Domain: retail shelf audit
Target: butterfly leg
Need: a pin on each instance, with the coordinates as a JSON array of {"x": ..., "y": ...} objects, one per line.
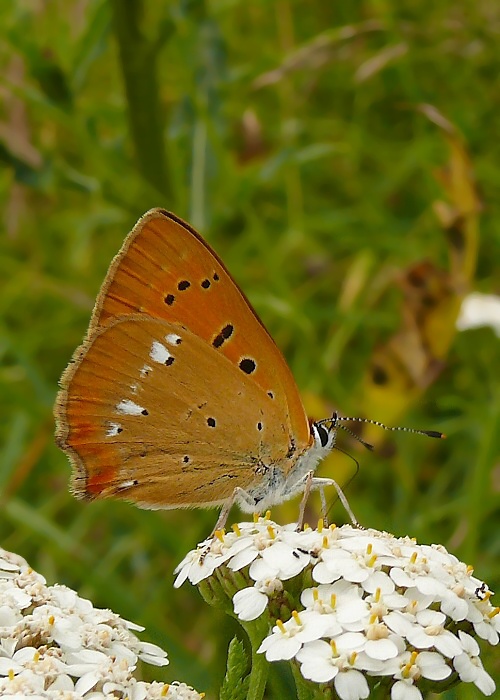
[
  {"x": 324, "y": 507},
  {"x": 310, "y": 483},
  {"x": 320, "y": 483},
  {"x": 308, "y": 480},
  {"x": 239, "y": 496}
]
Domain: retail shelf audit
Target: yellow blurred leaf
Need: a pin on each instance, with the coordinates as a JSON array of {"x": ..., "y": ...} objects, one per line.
[{"x": 410, "y": 361}]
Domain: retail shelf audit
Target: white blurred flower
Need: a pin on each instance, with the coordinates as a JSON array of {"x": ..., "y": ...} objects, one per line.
[
  {"x": 479, "y": 310},
  {"x": 382, "y": 606},
  {"x": 54, "y": 644}
]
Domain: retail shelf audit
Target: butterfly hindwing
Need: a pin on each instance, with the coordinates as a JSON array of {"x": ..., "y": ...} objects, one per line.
[{"x": 152, "y": 413}]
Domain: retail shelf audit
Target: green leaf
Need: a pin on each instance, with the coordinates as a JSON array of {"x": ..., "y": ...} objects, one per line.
[{"x": 235, "y": 684}]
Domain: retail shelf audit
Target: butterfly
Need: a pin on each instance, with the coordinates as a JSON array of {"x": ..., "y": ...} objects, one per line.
[{"x": 178, "y": 396}]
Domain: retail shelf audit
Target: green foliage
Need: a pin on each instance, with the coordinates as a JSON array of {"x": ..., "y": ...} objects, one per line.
[
  {"x": 235, "y": 684},
  {"x": 292, "y": 134}
]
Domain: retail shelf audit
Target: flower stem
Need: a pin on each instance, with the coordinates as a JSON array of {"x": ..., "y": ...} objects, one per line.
[
  {"x": 258, "y": 675},
  {"x": 259, "y": 672}
]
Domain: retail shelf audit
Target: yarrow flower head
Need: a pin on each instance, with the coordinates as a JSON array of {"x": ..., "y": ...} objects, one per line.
[
  {"x": 54, "y": 644},
  {"x": 371, "y": 608}
]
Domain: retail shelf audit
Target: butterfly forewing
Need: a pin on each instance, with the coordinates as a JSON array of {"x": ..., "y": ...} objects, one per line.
[{"x": 166, "y": 270}]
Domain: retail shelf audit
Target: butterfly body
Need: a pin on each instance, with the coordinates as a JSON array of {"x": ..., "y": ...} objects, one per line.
[{"x": 178, "y": 396}]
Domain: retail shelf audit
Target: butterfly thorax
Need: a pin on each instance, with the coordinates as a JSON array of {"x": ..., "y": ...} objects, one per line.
[{"x": 277, "y": 484}]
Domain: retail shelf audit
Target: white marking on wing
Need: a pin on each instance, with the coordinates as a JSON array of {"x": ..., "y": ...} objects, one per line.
[
  {"x": 127, "y": 484},
  {"x": 159, "y": 352},
  {"x": 113, "y": 429},
  {"x": 129, "y": 408},
  {"x": 134, "y": 388},
  {"x": 145, "y": 370},
  {"x": 173, "y": 339}
]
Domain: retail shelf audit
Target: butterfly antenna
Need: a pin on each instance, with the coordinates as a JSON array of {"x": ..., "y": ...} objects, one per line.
[
  {"x": 428, "y": 433},
  {"x": 338, "y": 420},
  {"x": 356, "y": 437}
]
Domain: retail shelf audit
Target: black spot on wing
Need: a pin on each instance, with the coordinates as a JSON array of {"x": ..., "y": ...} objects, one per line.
[
  {"x": 224, "y": 335},
  {"x": 248, "y": 365}
]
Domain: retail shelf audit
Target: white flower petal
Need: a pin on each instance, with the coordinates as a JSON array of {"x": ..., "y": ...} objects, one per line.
[
  {"x": 242, "y": 559},
  {"x": 381, "y": 649},
  {"x": 351, "y": 685},
  {"x": 403, "y": 690},
  {"x": 249, "y": 603},
  {"x": 87, "y": 682},
  {"x": 433, "y": 666},
  {"x": 469, "y": 644},
  {"x": 280, "y": 649},
  {"x": 262, "y": 569},
  {"x": 318, "y": 670}
]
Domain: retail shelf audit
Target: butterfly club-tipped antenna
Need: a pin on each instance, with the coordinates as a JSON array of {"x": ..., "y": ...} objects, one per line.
[{"x": 337, "y": 421}]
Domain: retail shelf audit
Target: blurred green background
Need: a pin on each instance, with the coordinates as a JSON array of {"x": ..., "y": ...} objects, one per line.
[{"x": 343, "y": 159}]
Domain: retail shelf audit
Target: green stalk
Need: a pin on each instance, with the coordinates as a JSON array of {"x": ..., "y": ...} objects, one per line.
[
  {"x": 138, "y": 58},
  {"x": 259, "y": 672},
  {"x": 258, "y": 675}
]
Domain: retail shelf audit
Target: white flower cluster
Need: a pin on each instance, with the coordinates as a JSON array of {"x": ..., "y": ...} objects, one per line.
[
  {"x": 54, "y": 644},
  {"x": 383, "y": 607}
]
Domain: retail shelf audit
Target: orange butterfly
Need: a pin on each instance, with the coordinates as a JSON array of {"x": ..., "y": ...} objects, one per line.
[{"x": 178, "y": 396}]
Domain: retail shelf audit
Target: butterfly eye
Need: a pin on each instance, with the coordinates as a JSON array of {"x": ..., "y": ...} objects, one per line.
[{"x": 321, "y": 434}]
